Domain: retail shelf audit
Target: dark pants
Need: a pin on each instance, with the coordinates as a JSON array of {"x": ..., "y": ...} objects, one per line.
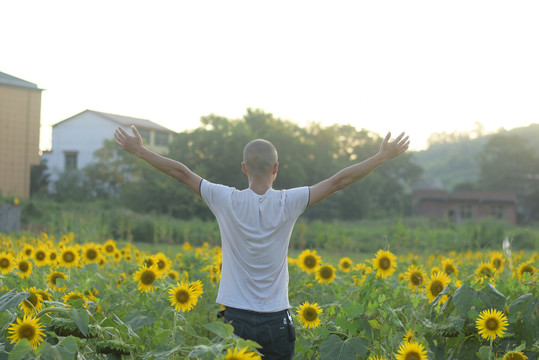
[{"x": 275, "y": 331}]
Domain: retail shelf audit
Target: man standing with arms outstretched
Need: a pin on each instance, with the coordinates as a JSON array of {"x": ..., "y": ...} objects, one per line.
[{"x": 256, "y": 224}]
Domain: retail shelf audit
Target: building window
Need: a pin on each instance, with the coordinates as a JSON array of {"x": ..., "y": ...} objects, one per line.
[
  {"x": 496, "y": 211},
  {"x": 145, "y": 133},
  {"x": 161, "y": 138},
  {"x": 70, "y": 160},
  {"x": 466, "y": 212}
]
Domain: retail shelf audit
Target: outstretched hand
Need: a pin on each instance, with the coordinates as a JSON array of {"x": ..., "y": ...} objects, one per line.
[
  {"x": 394, "y": 148},
  {"x": 127, "y": 142}
]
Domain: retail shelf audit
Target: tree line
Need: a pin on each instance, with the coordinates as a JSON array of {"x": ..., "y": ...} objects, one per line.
[{"x": 306, "y": 155}]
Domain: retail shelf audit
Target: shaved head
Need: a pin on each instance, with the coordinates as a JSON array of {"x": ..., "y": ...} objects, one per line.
[{"x": 259, "y": 157}]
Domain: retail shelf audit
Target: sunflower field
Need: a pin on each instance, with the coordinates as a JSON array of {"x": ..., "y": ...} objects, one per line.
[{"x": 67, "y": 298}]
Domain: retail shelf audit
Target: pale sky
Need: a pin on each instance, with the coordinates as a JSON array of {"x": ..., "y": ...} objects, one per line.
[{"x": 414, "y": 66}]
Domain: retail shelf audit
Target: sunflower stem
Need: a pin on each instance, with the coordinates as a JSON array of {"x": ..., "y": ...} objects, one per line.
[{"x": 490, "y": 349}]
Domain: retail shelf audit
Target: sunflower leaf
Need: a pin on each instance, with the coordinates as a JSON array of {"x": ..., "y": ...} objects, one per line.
[
  {"x": 20, "y": 350},
  {"x": 334, "y": 348},
  {"x": 220, "y": 329},
  {"x": 81, "y": 319},
  {"x": 12, "y": 299}
]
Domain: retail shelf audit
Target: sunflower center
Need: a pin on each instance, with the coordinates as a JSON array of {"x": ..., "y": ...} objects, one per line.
[
  {"x": 310, "y": 314},
  {"x": 109, "y": 248},
  {"x": 326, "y": 273},
  {"x": 309, "y": 261},
  {"x": 40, "y": 255},
  {"x": 513, "y": 356},
  {"x": 416, "y": 279},
  {"x": 91, "y": 254},
  {"x": 486, "y": 272},
  {"x": 436, "y": 287},
  {"x": 27, "y": 331},
  {"x": 4, "y": 263},
  {"x": 412, "y": 355},
  {"x": 28, "y": 252},
  {"x": 384, "y": 263},
  {"x": 526, "y": 269},
  {"x": 55, "y": 277},
  {"x": 23, "y": 266},
  {"x": 161, "y": 264},
  {"x": 147, "y": 277},
  {"x": 68, "y": 256},
  {"x": 182, "y": 296},
  {"x": 32, "y": 299},
  {"x": 345, "y": 265},
  {"x": 52, "y": 256},
  {"x": 492, "y": 324},
  {"x": 497, "y": 263},
  {"x": 449, "y": 269}
]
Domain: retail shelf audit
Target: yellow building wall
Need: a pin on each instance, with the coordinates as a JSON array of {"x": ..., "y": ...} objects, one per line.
[{"x": 20, "y": 117}]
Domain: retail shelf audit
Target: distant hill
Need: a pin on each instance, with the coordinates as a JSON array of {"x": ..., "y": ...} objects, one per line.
[{"x": 448, "y": 164}]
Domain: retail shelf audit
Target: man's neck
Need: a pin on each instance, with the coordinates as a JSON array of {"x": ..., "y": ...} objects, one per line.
[{"x": 260, "y": 186}]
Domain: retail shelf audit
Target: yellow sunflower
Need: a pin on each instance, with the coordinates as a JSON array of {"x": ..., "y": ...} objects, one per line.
[
  {"x": 243, "y": 354},
  {"x": 33, "y": 303},
  {"x": 146, "y": 277},
  {"x": 497, "y": 260},
  {"x": 28, "y": 328},
  {"x": 163, "y": 262},
  {"x": 525, "y": 268},
  {"x": 44, "y": 295},
  {"x": 53, "y": 278},
  {"x": 309, "y": 261},
  {"x": 28, "y": 250},
  {"x": 69, "y": 256},
  {"x": 7, "y": 262},
  {"x": 345, "y": 264},
  {"x": 384, "y": 263},
  {"x": 53, "y": 258},
  {"x": 72, "y": 296},
  {"x": 416, "y": 276},
  {"x": 41, "y": 255},
  {"x": 325, "y": 274},
  {"x": 197, "y": 287},
  {"x": 376, "y": 357},
  {"x": 409, "y": 337},
  {"x": 24, "y": 267},
  {"x": 173, "y": 274},
  {"x": 514, "y": 355},
  {"x": 491, "y": 324},
  {"x": 435, "y": 284},
  {"x": 91, "y": 254},
  {"x": 109, "y": 247},
  {"x": 411, "y": 350},
  {"x": 308, "y": 314},
  {"x": 484, "y": 271},
  {"x": 183, "y": 297},
  {"x": 449, "y": 267}
]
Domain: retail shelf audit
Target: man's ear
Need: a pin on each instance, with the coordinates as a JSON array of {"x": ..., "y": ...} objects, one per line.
[
  {"x": 243, "y": 168},
  {"x": 275, "y": 168}
]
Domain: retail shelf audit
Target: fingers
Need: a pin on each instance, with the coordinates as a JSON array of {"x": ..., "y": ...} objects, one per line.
[
  {"x": 388, "y": 136},
  {"x": 135, "y": 131}
]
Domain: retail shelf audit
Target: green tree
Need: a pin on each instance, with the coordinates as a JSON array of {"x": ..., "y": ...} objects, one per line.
[{"x": 508, "y": 162}]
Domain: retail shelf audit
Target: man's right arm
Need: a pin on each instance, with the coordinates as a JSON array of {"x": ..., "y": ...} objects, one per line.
[
  {"x": 353, "y": 173},
  {"x": 176, "y": 169}
]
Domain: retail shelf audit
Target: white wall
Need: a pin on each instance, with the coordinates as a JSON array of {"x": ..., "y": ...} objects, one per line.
[{"x": 84, "y": 133}]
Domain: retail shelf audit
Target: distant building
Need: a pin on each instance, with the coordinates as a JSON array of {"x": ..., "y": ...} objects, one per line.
[
  {"x": 20, "y": 118},
  {"x": 75, "y": 139},
  {"x": 465, "y": 205}
]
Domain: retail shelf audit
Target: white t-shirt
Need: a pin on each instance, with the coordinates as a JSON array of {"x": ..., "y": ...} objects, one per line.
[{"x": 255, "y": 234}]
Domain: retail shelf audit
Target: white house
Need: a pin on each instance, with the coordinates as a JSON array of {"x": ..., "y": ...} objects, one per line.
[{"x": 75, "y": 139}]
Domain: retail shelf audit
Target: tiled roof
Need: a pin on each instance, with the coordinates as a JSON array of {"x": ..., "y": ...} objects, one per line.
[
  {"x": 8, "y": 80},
  {"x": 125, "y": 121}
]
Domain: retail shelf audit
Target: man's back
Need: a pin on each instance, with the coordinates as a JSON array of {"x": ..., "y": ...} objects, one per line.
[{"x": 255, "y": 231}]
